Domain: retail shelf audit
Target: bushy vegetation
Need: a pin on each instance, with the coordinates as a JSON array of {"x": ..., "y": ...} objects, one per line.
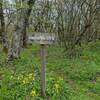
[{"x": 67, "y": 79}]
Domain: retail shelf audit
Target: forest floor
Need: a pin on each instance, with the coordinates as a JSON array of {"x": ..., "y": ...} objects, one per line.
[{"x": 67, "y": 79}]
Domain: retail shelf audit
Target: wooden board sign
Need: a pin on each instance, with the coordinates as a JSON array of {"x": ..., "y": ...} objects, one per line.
[{"x": 42, "y": 39}]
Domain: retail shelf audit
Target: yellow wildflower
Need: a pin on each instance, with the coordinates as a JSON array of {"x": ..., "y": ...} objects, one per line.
[
  {"x": 20, "y": 77},
  {"x": 25, "y": 81},
  {"x": 56, "y": 86},
  {"x": 33, "y": 93},
  {"x": 30, "y": 76},
  {"x": 61, "y": 79}
]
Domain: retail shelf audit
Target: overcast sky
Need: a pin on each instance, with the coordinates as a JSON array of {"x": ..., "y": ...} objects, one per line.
[{"x": 10, "y": 1}]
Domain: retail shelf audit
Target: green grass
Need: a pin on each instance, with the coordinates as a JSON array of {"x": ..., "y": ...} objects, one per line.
[{"x": 67, "y": 79}]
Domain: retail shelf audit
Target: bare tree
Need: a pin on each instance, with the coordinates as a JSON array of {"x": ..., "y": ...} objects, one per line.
[
  {"x": 3, "y": 35},
  {"x": 19, "y": 35}
]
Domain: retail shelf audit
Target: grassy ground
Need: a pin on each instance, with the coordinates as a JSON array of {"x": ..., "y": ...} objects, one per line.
[{"x": 67, "y": 79}]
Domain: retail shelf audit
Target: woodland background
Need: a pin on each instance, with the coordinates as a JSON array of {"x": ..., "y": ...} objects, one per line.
[{"x": 73, "y": 67}]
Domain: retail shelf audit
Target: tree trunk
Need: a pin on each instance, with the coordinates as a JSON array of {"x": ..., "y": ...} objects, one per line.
[
  {"x": 20, "y": 37},
  {"x": 3, "y": 35},
  {"x": 30, "y": 4}
]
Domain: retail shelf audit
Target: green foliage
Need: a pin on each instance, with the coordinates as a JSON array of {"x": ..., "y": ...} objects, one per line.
[
  {"x": 67, "y": 79},
  {"x": 58, "y": 89},
  {"x": 23, "y": 85}
]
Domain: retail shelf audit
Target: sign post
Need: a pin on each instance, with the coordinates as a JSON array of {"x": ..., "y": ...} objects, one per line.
[
  {"x": 43, "y": 40},
  {"x": 43, "y": 70}
]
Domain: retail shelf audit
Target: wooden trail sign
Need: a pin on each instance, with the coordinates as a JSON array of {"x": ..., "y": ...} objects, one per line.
[{"x": 43, "y": 40}]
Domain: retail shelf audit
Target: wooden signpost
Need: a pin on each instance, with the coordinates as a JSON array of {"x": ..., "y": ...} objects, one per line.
[{"x": 43, "y": 40}]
